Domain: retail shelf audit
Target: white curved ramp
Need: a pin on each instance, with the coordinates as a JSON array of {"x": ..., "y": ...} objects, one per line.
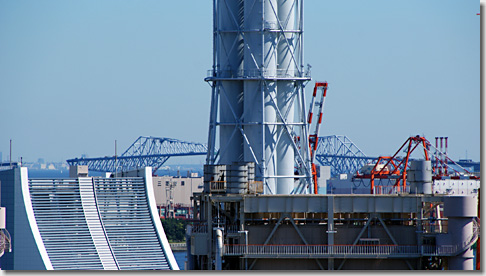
[{"x": 99, "y": 223}]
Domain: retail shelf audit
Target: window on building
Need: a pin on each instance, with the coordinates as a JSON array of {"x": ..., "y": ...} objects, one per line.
[
  {"x": 182, "y": 183},
  {"x": 159, "y": 183},
  {"x": 166, "y": 183}
]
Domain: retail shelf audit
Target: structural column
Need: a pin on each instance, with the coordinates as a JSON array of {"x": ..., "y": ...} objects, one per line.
[
  {"x": 460, "y": 211},
  {"x": 330, "y": 229}
]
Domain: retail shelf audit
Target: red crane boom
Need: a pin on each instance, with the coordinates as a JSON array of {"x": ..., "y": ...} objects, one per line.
[{"x": 313, "y": 137}]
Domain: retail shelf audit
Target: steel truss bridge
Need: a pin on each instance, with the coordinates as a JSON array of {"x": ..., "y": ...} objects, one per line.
[
  {"x": 145, "y": 151},
  {"x": 336, "y": 151},
  {"x": 341, "y": 154}
]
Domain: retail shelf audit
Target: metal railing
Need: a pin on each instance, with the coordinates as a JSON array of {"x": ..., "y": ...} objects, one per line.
[
  {"x": 389, "y": 189},
  {"x": 217, "y": 186},
  {"x": 444, "y": 250},
  {"x": 435, "y": 226},
  {"x": 397, "y": 251},
  {"x": 454, "y": 250},
  {"x": 200, "y": 228},
  {"x": 258, "y": 73},
  {"x": 178, "y": 246},
  {"x": 321, "y": 250},
  {"x": 255, "y": 187}
]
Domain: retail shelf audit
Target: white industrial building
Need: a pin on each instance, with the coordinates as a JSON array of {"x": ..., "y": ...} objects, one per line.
[{"x": 93, "y": 223}]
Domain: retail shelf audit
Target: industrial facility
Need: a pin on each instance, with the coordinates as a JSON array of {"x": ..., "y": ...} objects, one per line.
[
  {"x": 260, "y": 207},
  {"x": 275, "y": 194}
]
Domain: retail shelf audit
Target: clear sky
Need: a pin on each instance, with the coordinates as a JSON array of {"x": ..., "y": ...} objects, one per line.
[{"x": 77, "y": 75}]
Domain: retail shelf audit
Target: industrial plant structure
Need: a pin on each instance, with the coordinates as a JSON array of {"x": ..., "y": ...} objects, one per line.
[
  {"x": 258, "y": 209},
  {"x": 257, "y": 100},
  {"x": 260, "y": 206}
]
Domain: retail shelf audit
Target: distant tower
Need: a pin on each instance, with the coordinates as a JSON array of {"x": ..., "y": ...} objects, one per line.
[{"x": 257, "y": 103}]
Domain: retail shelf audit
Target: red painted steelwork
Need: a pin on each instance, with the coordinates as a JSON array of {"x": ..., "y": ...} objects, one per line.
[{"x": 314, "y": 137}]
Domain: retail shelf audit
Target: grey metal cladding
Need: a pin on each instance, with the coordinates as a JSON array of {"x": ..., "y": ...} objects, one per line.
[{"x": 342, "y": 203}]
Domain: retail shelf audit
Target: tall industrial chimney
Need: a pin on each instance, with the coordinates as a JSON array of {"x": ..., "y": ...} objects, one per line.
[{"x": 257, "y": 103}]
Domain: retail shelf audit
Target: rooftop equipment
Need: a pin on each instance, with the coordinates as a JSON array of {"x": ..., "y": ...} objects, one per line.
[{"x": 393, "y": 169}]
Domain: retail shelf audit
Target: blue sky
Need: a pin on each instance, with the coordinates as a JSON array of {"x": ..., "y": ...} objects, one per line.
[{"x": 76, "y": 75}]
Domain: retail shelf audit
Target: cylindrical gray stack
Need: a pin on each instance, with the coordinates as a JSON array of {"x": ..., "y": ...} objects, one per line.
[
  {"x": 258, "y": 89},
  {"x": 237, "y": 178},
  {"x": 419, "y": 177}
]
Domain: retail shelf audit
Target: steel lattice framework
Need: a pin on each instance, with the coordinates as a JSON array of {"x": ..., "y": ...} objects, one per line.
[
  {"x": 336, "y": 151},
  {"x": 341, "y": 154},
  {"x": 257, "y": 99},
  {"x": 145, "y": 151}
]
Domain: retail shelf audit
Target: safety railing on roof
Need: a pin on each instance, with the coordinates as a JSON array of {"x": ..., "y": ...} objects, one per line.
[{"x": 253, "y": 187}]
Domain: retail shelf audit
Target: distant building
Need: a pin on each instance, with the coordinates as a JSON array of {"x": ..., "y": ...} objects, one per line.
[
  {"x": 180, "y": 190},
  {"x": 173, "y": 194}
]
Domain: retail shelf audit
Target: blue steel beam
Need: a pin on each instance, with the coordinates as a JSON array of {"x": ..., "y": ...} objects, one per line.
[
  {"x": 341, "y": 154},
  {"x": 145, "y": 151}
]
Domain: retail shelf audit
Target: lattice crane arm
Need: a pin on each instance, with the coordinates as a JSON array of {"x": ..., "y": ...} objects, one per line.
[{"x": 314, "y": 136}]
